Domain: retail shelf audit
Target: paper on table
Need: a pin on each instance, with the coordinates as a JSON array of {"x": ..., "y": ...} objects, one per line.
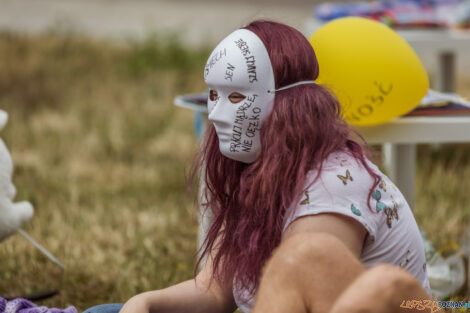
[{"x": 434, "y": 103}]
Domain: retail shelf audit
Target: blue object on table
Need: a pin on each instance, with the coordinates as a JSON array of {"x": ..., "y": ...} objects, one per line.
[{"x": 198, "y": 124}]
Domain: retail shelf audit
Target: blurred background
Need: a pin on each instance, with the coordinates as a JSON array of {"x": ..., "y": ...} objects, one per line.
[{"x": 102, "y": 153}]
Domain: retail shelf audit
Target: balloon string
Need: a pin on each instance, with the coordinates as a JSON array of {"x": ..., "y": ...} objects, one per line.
[{"x": 41, "y": 248}]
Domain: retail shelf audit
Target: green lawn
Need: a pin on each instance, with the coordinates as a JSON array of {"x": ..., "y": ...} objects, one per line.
[{"x": 101, "y": 152}]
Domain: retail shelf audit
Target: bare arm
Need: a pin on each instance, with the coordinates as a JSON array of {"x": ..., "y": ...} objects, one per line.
[
  {"x": 348, "y": 231},
  {"x": 194, "y": 295},
  {"x": 317, "y": 259}
]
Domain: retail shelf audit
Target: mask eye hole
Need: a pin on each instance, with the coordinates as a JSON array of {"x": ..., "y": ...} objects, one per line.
[
  {"x": 213, "y": 95},
  {"x": 236, "y": 97}
]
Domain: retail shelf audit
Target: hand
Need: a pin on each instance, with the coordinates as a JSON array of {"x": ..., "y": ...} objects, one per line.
[{"x": 136, "y": 304}]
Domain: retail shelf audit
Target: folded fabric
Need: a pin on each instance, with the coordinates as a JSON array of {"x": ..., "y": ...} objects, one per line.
[
  {"x": 402, "y": 13},
  {"x": 20, "y": 305}
]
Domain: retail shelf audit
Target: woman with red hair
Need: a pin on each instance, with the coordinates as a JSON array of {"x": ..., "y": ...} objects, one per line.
[{"x": 302, "y": 221}]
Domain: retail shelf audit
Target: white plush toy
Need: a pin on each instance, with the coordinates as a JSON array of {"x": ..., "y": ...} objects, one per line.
[{"x": 12, "y": 215}]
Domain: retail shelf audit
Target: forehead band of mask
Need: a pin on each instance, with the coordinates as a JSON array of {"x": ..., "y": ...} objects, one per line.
[{"x": 305, "y": 82}]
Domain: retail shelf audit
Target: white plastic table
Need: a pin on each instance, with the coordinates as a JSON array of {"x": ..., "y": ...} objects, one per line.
[{"x": 403, "y": 134}]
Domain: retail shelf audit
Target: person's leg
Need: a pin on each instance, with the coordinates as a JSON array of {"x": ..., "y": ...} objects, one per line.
[
  {"x": 317, "y": 273},
  {"x": 306, "y": 274},
  {"x": 105, "y": 308},
  {"x": 382, "y": 289}
]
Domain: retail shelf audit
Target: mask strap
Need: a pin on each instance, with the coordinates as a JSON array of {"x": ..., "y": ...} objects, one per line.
[{"x": 305, "y": 82}]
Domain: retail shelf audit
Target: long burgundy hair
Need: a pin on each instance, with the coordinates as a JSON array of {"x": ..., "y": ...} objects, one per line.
[{"x": 250, "y": 201}]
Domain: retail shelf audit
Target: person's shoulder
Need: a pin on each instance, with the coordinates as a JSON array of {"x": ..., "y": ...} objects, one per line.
[
  {"x": 341, "y": 170},
  {"x": 342, "y": 179},
  {"x": 342, "y": 186}
]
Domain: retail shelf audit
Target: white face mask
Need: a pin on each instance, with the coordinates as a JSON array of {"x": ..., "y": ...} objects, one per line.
[{"x": 241, "y": 81}]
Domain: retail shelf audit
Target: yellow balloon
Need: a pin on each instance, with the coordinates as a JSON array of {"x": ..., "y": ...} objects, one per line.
[{"x": 373, "y": 71}]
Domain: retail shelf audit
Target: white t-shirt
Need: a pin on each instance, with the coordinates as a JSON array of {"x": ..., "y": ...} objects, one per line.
[{"x": 343, "y": 187}]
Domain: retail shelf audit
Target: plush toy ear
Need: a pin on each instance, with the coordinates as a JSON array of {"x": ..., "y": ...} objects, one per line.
[{"x": 3, "y": 119}]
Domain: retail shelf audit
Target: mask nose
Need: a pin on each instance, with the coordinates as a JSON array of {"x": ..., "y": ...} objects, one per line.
[{"x": 219, "y": 114}]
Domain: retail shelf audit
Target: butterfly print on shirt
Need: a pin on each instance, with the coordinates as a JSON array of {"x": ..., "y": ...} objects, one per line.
[{"x": 345, "y": 179}]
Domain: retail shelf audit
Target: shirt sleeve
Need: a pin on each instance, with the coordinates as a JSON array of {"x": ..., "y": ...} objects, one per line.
[{"x": 342, "y": 188}]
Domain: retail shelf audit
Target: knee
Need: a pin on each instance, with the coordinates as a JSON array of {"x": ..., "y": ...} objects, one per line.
[
  {"x": 105, "y": 308},
  {"x": 382, "y": 288},
  {"x": 390, "y": 280}
]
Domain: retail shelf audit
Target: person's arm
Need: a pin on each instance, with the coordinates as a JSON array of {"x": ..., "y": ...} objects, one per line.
[
  {"x": 350, "y": 232},
  {"x": 316, "y": 260},
  {"x": 194, "y": 295}
]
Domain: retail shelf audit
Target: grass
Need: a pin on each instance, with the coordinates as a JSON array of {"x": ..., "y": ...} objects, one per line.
[{"x": 101, "y": 152}]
